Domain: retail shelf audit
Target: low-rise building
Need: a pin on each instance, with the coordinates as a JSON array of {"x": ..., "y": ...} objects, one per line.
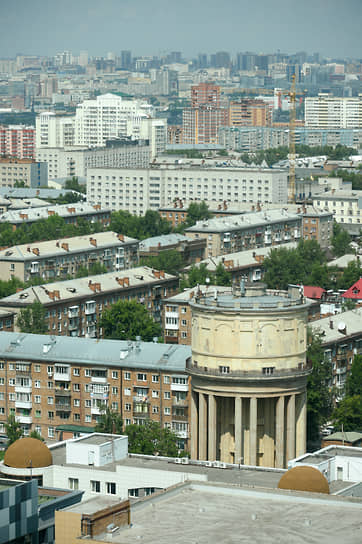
[
  {"x": 22, "y": 171},
  {"x": 247, "y": 231},
  {"x": 48, "y": 381},
  {"x": 71, "y": 213},
  {"x": 74, "y": 307},
  {"x": 346, "y": 207},
  {"x": 63, "y": 258},
  {"x": 192, "y": 251}
]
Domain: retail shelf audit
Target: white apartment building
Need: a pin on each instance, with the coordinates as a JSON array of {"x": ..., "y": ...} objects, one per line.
[
  {"x": 346, "y": 207},
  {"x": 65, "y": 162},
  {"x": 326, "y": 112},
  {"x": 106, "y": 117},
  {"x": 138, "y": 190},
  {"x": 54, "y": 130}
]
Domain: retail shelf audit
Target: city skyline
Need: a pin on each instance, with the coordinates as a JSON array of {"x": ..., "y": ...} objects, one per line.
[{"x": 328, "y": 27}]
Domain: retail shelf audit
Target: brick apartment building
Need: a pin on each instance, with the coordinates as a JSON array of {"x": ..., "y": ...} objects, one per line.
[
  {"x": 48, "y": 381},
  {"x": 17, "y": 141},
  {"x": 26, "y": 171},
  {"x": 63, "y": 258},
  {"x": 73, "y": 307}
]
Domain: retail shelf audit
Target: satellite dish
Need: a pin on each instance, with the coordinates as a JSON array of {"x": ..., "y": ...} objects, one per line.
[{"x": 341, "y": 326}]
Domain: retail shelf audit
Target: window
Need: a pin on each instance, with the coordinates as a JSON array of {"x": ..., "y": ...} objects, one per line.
[
  {"x": 50, "y": 385},
  {"x": 141, "y": 377},
  {"x": 127, "y": 391},
  {"x": 76, "y": 402},
  {"x": 37, "y": 413},
  {"x": 95, "y": 486},
  {"x": 50, "y": 415},
  {"x": 166, "y": 379},
  {"x": 51, "y": 432},
  {"x": 88, "y": 403},
  {"x": 127, "y": 375},
  {"x": 50, "y": 370},
  {"x": 115, "y": 374},
  {"x": 11, "y": 396},
  {"x": 183, "y": 334},
  {"x": 267, "y": 370},
  {"x": 50, "y": 400},
  {"x": 115, "y": 406},
  {"x": 73, "y": 483},
  {"x": 37, "y": 399},
  {"x": 155, "y": 394},
  {"x": 76, "y": 372},
  {"x": 87, "y": 372},
  {"x": 155, "y": 409},
  {"x": 127, "y": 407},
  {"x": 37, "y": 384},
  {"x": 133, "y": 492},
  {"x": 88, "y": 418},
  {"x": 167, "y": 395},
  {"x": 167, "y": 411},
  {"x": 114, "y": 390},
  {"x": 111, "y": 488},
  {"x": 76, "y": 417},
  {"x": 155, "y": 378},
  {"x": 224, "y": 369},
  {"x": 12, "y": 381},
  {"x": 183, "y": 322},
  {"x": 2, "y": 381},
  {"x": 76, "y": 387},
  {"x": 37, "y": 368},
  {"x": 183, "y": 310}
]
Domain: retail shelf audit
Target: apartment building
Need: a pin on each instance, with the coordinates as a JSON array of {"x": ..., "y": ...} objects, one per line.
[
  {"x": 201, "y": 125},
  {"x": 17, "y": 141},
  {"x": 63, "y": 258},
  {"x": 341, "y": 337},
  {"x": 74, "y": 307},
  {"x": 247, "y": 231},
  {"x": 22, "y": 171},
  {"x": 6, "y": 320},
  {"x": 346, "y": 207},
  {"x": 48, "y": 381},
  {"x": 192, "y": 251},
  {"x": 71, "y": 213},
  {"x": 318, "y": 225},
  {"x": 65, "y": 162},
  {"x": 249, "y": 113},
  {"x": 138, "y": 190},
  {"x": 327, "y": 111},
  {"x": 106, "y": 117},
  {"x": 54, "y": 130}
]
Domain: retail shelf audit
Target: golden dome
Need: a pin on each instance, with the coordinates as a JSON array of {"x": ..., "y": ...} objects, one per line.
[
  {"x": 304, "y": 478},
  {"x": 28, "y": 453}
]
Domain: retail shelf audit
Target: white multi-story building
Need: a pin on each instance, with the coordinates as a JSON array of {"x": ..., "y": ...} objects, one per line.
[
  {"x": 346, "y": 207},
  {"x": 54, "y": 130},
  {"x": 138, "y": 190},
  {"x": 106, "y": 117},
  {"x": 326, "y": 112}
]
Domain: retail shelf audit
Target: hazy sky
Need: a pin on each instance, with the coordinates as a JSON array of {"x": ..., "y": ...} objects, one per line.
[{"x": 332, "y": 27}]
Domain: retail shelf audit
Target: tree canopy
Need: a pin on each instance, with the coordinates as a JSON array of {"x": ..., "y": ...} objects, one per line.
[
  {"x": 348, "y": 413},
  {"x": 109, "y": 422},
  {"x": 13, "y": 429},
  {"x": 147, "y": 226},
  {"x": 198, "y": 274},
  {"x": 32, "y": 319},
  {"x": 127, "y": 319},
  {"x": 170, "y": 261},
  {"x": 152, "y": 439},
  {"x": 340, "y": 241}
]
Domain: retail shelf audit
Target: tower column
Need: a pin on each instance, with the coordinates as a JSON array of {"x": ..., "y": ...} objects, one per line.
[
  {"x": 202, "y": 427},
  {"x": 212, "y": 428},
  {"x": 301, "y": 431},
  {"x": 291, "y": 428},
  {"x": 238, "y": 429},
  {"x": 253, "y": 430},
  {"x": 279, "y": 434},
  {"x": 194, "y": 426}
]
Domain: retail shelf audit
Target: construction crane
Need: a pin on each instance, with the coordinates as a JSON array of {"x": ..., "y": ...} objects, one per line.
[{"x": 292, "y": 117}]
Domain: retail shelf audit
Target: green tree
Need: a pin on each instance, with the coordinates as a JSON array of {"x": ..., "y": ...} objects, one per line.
[
  {"x": 32, "y": 319},
  {"x": 147, "y": 226},
  {"x": 354, "y": 378},
  {"x": 170, "y": 261},
  {"x": 127, "y": 319},
  {"x": 109, "y": 422},
  {"x": 152, "y": 439},
  {"x": 221, "y": 276},
  {"x": 74, "y": 185},
  {"x": 13, "y": 429},
  {"x": 340, "y": 241},
  {"x": 36, "y": 435},
  {"x": 197, "y": 211},
  {"x": 319, "y": 398},
  {"x": 351, "y": 274},
  {"x": 348, "y": 414}
]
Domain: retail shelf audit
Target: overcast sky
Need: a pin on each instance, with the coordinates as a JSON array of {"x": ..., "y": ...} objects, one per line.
[{"x": 152, "y": 27}]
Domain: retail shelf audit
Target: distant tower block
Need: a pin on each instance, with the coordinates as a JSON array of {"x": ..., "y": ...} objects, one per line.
[{"x": 249, "y": 377}]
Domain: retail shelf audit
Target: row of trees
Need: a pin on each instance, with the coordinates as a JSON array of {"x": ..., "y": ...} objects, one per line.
[{"x": 274, "y": 155}]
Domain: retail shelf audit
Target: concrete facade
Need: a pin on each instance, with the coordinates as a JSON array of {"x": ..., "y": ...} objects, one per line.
[{"x": 249, "y": 375}]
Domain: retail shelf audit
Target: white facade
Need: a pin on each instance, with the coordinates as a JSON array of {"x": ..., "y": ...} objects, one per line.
[
  {"x": 326, "y": 111},
  {"x": 89, "y": 450},
  {"x": 153, "y": 130},
  {"x": 53, "y": 130},
  {"x": 138, "y": 190},
  {"x": 106, "y": 118},
  {"x": 346, "y": 206}
]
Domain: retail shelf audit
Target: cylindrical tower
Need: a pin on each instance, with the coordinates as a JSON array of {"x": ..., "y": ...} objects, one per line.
[{"x": 249, "y": 377}]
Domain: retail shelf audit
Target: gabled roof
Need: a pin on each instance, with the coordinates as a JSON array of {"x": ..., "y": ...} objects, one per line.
[
  {"x": 354, "y": 292},
  {"x": 313, "y": 292}
]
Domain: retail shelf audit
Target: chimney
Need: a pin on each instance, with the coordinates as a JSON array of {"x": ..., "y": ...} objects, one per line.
[
  {"x": 93, "y": 242},
  {"x": 23, "y": 215},
  {"x": 36, "y": 251},
  {"x": 162, "y": 274},
  {"x": 51, "y": 212},
  {"x": 125, "y": 282},
  {"x": 71, "y": 210},
  {"x": 330, "y": 324},
  {"x": 65, "y": 246},
  {"x": 254, "y": 254},
  {"x": 28, "y": 249},
  {"x": 57, "y": 244},
  {"x": 97, "y": 206},
  {"x": 120, "y": 237}
]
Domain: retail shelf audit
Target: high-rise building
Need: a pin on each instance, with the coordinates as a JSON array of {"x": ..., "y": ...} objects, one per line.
[
  {"x": 327, "y": 111},
  {"x": 250, "y": 113},
  {"x": 126, "y": 60},
  {"x": 54, "y": 130},
  {"x": 248, "y": 377},
  {"x": 17, "y": 141}
]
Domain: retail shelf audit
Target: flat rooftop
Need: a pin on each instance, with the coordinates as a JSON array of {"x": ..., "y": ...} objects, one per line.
[
  {"x": 204, "y": 513},
  {"x": 93, "y": 505}
]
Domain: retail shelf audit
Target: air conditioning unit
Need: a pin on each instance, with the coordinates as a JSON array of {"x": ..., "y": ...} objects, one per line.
[
  {"x": 208, "y": 463},
  {"x": 185, "y": 460},
  {"x": 222, "y": 465},
  {"x": 178, "y": 460}
]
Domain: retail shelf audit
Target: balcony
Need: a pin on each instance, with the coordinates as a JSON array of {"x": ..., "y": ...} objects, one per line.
[
  {"x": 98, "y": 409},
  {"x": 23, "y": 388},
  {"x": 73, "y": 324},
  {"x": 99, "y": 379},
  {"x": 248, "y": 375},
  {"x": 141, "y": 410},
  {"x": 179, "y": 387},
  {"x": 61, "y": 377},
  {"x": 182, "y": 434},
  {"x": 90, "y": 308},
  {"x": 63, "y": 407},
  {"x": 177, "y": 417},
  {"x": 24, "y": 404},
  {"x": 73, "y": 311},
  {"x": 62, "y": 392},
  {"x": 179, "y": 402},
  {"x": 25, "y": 419}
]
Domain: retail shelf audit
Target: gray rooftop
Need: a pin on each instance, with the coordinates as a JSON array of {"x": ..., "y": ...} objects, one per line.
[
  {"x": 24, "y": 192},
  {"x": 93, "y": 352},
  {"x": 79, "y": 288},
  {"x": 338, "y": 195},
  {"x": 63, "y": 210},
  {"x": 343, "y": 262},
  {"x": 54, "y": 248},
  {"x": 163, "y": 240},
  {"x": 352, "y": 320},
  {"x": 209, "y": 513},
  {"x": 243, "y": 221}
]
